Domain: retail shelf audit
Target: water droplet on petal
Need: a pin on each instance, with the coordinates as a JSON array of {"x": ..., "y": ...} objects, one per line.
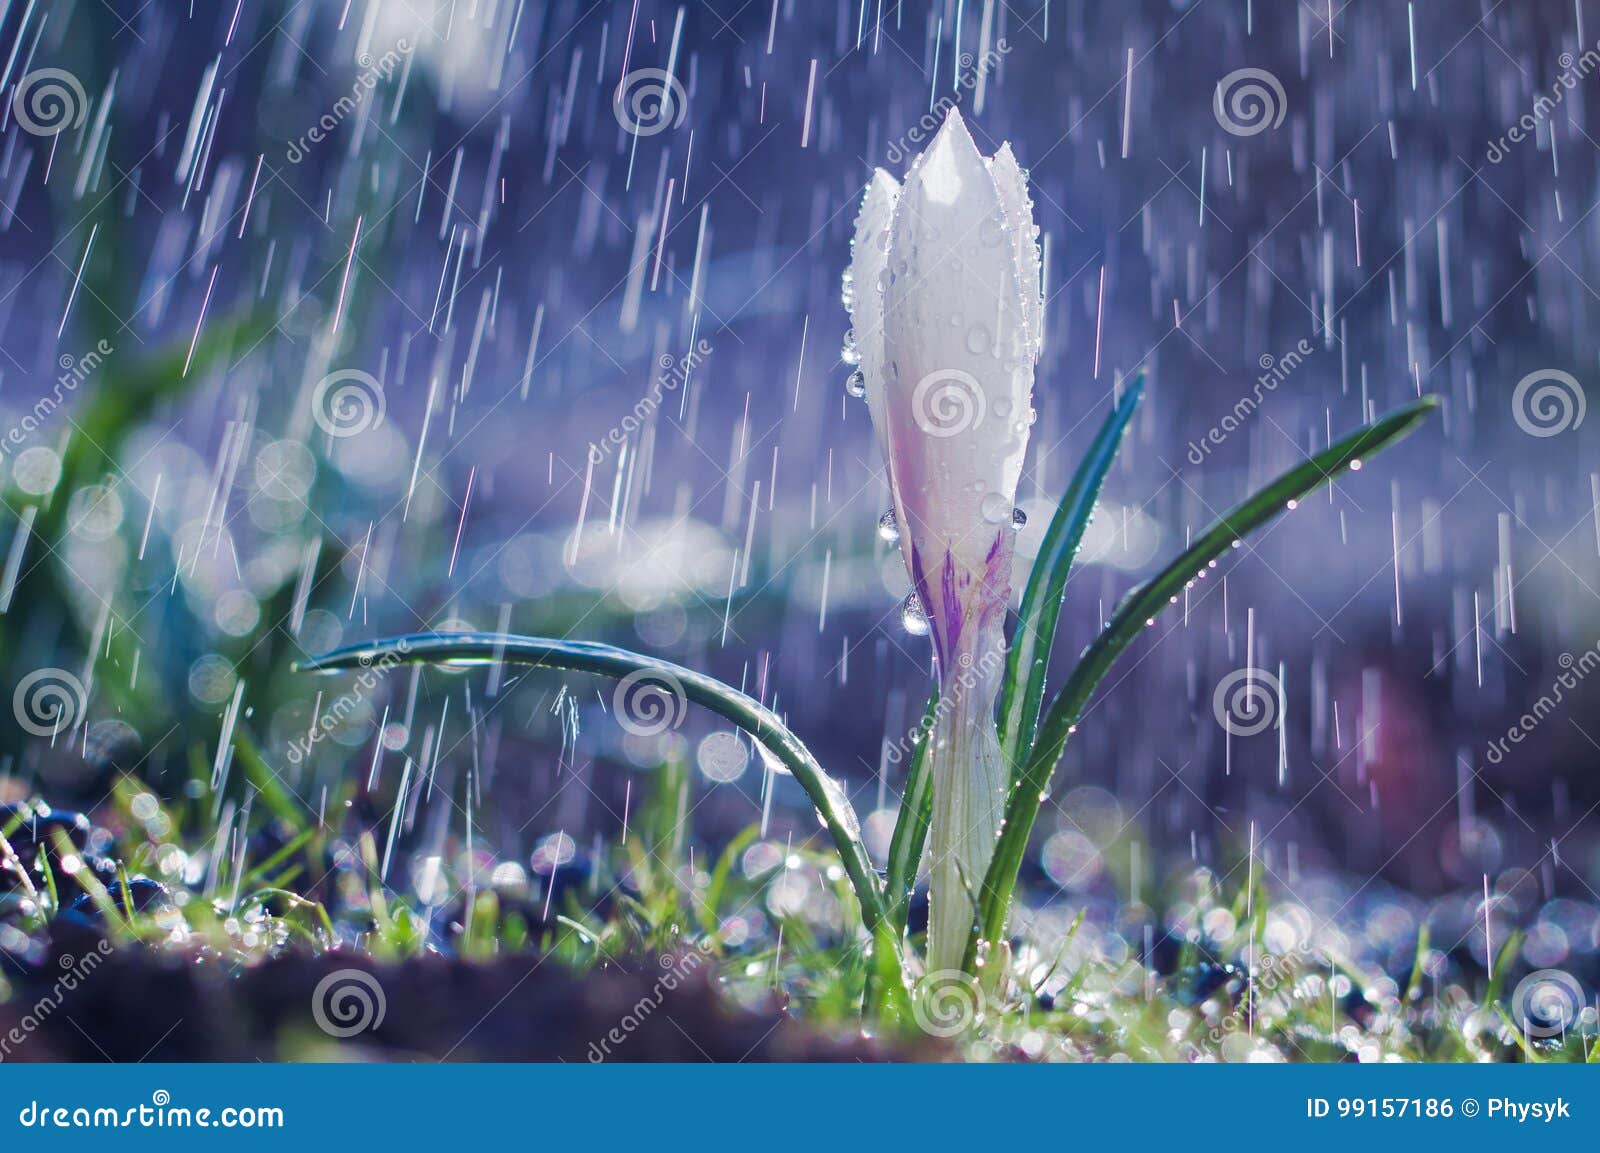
[
  {"x": 913, "y": 617},
  {"x": 995, "y": 508},
  {"x": 1019, "y": 519},
  {"x": 850, "y": 354},
  {"x": 856, "y": 386},
  {"x": 889, "y": 528}
]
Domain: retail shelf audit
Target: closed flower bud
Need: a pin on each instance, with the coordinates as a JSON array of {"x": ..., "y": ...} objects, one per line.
[{"x": 946, "y": 312}]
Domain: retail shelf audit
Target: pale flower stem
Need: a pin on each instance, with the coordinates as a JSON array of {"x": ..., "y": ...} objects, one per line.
[{"x": 969, "y": 784}]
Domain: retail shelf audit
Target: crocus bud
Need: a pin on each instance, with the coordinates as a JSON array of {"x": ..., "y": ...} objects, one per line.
[{"x": 946, "y": 313}]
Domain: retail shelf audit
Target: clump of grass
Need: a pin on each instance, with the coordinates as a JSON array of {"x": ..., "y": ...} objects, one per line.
[{"x": 1214, "y": 976}]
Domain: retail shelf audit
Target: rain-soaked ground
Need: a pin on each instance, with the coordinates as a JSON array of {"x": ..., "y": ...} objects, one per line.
[{"x": 325, "y": 321}]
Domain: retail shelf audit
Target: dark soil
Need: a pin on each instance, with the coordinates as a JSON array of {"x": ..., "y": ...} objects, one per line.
[{"x": 141, "y": 1004}]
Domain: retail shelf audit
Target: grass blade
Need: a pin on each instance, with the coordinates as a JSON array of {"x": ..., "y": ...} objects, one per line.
[
  {"x": 832, "y": 805},
  {"x": 711, "y": 908},
  {"x": 911, "y": 826},
  {"x": 885, "y": 996},
  {"x": 1136, "y": 610},
  {"x": 1022, "y": 690}
]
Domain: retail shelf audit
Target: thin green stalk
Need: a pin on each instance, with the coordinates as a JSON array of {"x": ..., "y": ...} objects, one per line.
[
  {"x": 911, "y": 826},
  {"x": 1022, "y": 690},
  {"x": 1138, "y": 609},
  {"x": 883, "y": 991}
]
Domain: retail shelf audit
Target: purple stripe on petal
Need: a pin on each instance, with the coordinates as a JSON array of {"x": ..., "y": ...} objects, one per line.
[
  {"x": 950, "y": 611},
  {"x": 965, "y": 608}
]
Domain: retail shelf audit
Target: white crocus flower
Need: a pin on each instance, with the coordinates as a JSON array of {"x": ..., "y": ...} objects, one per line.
[{"x": 945, "y": 307}]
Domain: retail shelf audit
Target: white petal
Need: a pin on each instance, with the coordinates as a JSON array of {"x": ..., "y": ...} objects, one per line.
[
  {"x": 959, "y": 366},
  {"x": 868, "y": 257},
  {"x": 1013, "y": 186}
]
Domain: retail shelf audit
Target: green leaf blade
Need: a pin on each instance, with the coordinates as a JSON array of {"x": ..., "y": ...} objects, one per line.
[
  {"x": 911, "y": 826},
  {"x": 459, "y": 649},
  {"x": 1022, "y": 690},
  {"x": 1136, "y": 610}
]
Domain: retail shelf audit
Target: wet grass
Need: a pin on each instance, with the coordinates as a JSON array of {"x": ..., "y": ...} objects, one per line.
[{"x": 1221, "y": 974}]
